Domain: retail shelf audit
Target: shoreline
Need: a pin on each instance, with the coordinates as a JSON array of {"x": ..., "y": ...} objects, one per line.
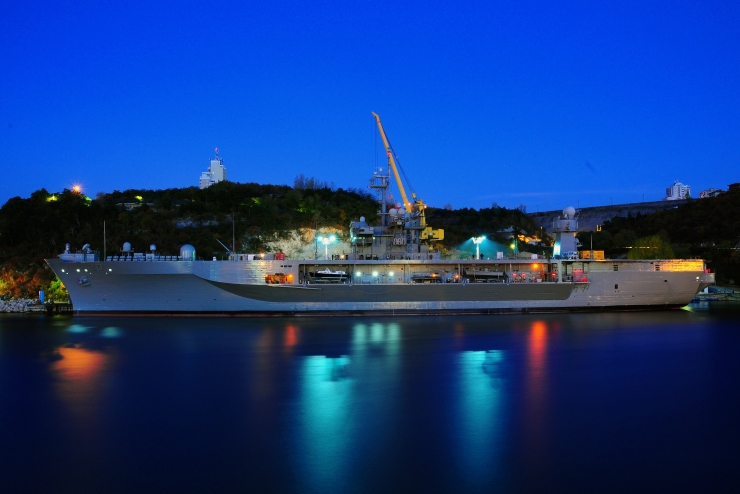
[{"x": 18, "y": 305}]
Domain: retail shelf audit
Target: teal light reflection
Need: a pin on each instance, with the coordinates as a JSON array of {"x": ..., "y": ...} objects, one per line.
[
  {"x": 359, "y": 334},
  {"x": 480, "y": 414},
  {"x": 78, "y": 328},
  {"x": 376, "y": 333},
  {"x": 111, "y": 332},
  {"x": 327, "y": 420}
]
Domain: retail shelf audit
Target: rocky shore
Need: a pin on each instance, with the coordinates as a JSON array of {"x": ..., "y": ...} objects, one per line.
[{"x": 16, "y": 305}]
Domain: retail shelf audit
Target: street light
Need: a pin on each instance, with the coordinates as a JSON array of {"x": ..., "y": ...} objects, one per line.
[
  {"x": 477, "y": 241},
  {"x": 326, "y": 241}
]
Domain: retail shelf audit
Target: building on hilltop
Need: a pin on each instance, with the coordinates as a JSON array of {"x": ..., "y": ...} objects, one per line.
[
  {"x": 677, "y": 191},
  {"x": 216, "y": 172},
  {"x": 712, "y": 192}
]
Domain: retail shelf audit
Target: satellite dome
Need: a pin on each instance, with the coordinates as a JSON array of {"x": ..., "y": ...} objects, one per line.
[
  {"x": 187, "y": 252},
  {"x": 570, "y": 212},
  {"x": 152, "y": 247},
  {"x": 393, "y": 212},
  {"x": 126, "y": 247},
  {"x": 402, "y": 211}
]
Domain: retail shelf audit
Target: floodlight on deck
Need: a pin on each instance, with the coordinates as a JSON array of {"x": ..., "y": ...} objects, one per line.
[
  {"x": 477, "y": 241},
  {"x": 326, "y": 241}
]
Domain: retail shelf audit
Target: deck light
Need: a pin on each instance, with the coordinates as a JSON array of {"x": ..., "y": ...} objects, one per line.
[
  {"x": 477, "y": 241},
  {"x": 375, "y": 273},
  {"x": 326, "y": 241}
]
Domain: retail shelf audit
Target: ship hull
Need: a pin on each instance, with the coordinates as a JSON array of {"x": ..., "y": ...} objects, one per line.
[{"x": 204, "y": 287}]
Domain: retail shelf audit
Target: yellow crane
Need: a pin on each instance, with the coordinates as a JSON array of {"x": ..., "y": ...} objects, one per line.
[
  {"x": 392, "y": 163},
  {"x": 426, "y": 232}
]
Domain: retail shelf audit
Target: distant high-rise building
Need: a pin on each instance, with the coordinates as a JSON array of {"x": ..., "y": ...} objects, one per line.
[
  {"x": 677, "y": 191},
  {"x": 216, "y": 172}
]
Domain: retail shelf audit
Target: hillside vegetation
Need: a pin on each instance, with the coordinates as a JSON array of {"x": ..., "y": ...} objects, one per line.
[
  {"x": 38, "y": 227},
  {"x": 704, "y": 228}
]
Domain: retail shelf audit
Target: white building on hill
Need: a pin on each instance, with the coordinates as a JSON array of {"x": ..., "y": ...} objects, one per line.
[
  {"x": 677, "y": 191},
  {"x": 216, "y": 172}
]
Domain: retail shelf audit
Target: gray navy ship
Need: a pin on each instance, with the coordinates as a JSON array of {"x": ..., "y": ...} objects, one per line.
[
  {"x": 388, "y": 271},
  {"x": 391, "y": 268}
]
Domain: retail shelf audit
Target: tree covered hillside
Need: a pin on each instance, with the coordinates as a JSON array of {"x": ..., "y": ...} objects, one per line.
[
  {"x": 38, "y": 227},
  {"x": 705, "y": 228}
]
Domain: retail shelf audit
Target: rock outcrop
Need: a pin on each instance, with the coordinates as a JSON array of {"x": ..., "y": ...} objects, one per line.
[{"x": 17, "y": 305}]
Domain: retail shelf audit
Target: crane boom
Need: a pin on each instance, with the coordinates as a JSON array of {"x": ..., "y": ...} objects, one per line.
[{"x": 392, "y": 162}]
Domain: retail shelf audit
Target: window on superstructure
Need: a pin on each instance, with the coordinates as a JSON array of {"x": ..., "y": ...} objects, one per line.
[{"x": 616, "y": 267}]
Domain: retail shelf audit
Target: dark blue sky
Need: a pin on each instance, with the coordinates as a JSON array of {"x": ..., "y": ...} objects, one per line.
[{"x": 538, "y": 103}]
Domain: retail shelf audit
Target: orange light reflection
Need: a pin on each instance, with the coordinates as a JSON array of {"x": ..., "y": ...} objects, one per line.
[
  {"x": 536, "y": 396},
  {"x": 78, "y": 364},
  {"x": 291, "y": 337},
  {"x": 80, "y": 380},
  {"x": 537, "y": 346}
]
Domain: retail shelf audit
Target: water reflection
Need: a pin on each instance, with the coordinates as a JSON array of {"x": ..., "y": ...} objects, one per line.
[
  {"x": 377, "y": 337},
  {"x": 535, "y": 415},
  {"x": 367, "y": 404},
  {"x": 79, "y": 383},
  {"x": 291, "y": 337},
  {"x": 345, "y": 400},
  {"x": 263, "y": 370},
  {"x": 480, "y": 423},
  {"x": 79, "y": 367},
  {"x": 78, "y": 328},
  {"x": 327, "y": 421},
  {"x": 111, "y": 332}
]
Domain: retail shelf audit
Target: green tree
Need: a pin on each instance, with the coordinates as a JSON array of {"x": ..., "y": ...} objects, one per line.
[{"x": 652, "y": 247}]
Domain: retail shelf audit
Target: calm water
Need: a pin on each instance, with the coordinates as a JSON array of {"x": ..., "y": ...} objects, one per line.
[{"x": 557, "y": 403}]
